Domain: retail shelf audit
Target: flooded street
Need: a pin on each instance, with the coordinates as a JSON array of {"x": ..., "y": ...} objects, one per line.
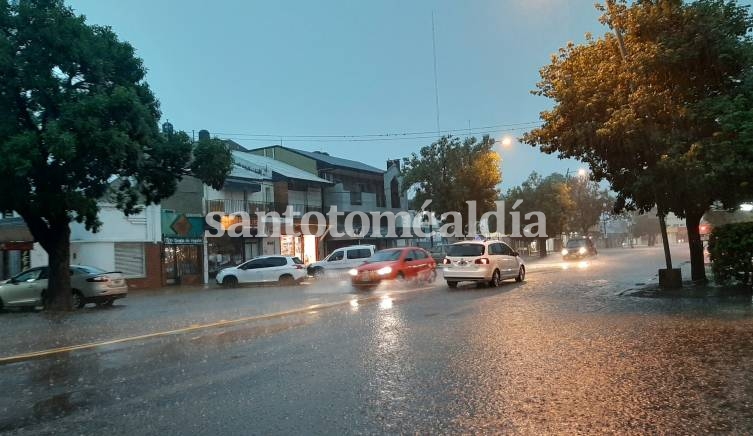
[{"x": 563, "y": 352}]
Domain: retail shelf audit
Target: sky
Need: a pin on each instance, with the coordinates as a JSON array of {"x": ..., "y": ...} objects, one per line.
[{"x": 292, "y": 68}]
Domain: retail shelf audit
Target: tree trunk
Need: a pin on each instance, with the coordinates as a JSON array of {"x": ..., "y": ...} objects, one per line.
[
  {"x": 58, "y": 295},
  {"x": 697, "y": 268},
  {"x": 542, "y": 247}
]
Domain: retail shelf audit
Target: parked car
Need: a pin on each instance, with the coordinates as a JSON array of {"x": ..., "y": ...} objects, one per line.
[
  {"x": 578, "y": 248},
  {"x": 408, "y": 263},
  {"x": 341, "y": 260},
  {"x": 286, "y": 270},
  {"x": 482, "y": 262},
  {"x": 438, "y": 253},
  {"x": 89, "y": 285}
]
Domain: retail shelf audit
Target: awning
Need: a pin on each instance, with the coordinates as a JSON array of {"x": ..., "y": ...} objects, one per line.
[{"x": 14, "y": 230}]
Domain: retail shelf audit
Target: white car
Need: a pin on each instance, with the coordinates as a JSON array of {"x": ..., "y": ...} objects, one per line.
[
  {"x": 285, "y": 270},
  {"x": 482, "y": 262},
  {"x": 342, "y": 260}
]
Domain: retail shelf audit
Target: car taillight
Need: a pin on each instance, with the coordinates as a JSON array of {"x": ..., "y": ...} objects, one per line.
[
  {"x": 98, "y": 279},
  {"x": 446, "y": 261},
  {"x": 482, "y": 261},
  {"x": 298, "y": 266}
]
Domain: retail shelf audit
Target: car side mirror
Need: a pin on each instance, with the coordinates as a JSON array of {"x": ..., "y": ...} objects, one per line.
[{"x": 515, "y": 253}]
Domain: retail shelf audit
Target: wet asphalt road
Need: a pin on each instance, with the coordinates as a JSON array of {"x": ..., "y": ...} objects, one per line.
[{"x": 563, "y": 352}]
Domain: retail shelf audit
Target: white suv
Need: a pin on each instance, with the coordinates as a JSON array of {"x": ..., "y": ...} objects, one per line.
[
  {"x": 341, "y": 260},
  {"x": 285, "y": 270},
  {"x": 482, "y": 262}
]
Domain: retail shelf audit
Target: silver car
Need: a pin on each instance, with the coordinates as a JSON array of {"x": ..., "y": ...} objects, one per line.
[{"x": 89, "y": 284}]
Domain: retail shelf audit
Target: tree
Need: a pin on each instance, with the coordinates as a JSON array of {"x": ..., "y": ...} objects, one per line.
[
  {"x": 590, "y": 204},
  {"x": 76, "y": 114},
  {"x": 663, "y": 114},
  {"x": 550, "y": 195},
  {"x": 450, "y": 172}
]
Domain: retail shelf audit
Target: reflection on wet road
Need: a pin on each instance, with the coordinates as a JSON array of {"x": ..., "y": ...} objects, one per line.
[{"x": 563, "y": 352}]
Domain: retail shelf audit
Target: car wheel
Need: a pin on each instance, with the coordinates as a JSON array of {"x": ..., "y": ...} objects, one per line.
[
  {"x": 452, "y": 284},
  {"x": 106, "y": 303},
  {"x": 318, "y": 272},
  {"x": 230, "y": 282},
  {"x": 432, "y": 277},
  {"x": 400, "y": 277},
  {"x": 286, "y": 280},
  {"x": 521, "y": 274},
  {"x": 495, "y": 281},
  {"x": 78, "y": 301}
]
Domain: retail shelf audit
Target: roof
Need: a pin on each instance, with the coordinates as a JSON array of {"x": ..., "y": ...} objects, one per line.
[
  {"x": 265, "y": 166},
  {"x": 333, "y": 161}
]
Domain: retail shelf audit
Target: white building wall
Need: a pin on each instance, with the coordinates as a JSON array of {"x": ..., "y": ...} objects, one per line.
[
  {"x": 117, "y": 227},
  {"x": 98, "y": 254}
]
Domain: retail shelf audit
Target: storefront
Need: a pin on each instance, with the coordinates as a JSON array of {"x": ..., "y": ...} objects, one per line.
[
  {"x": 226, "y": 251},
  {"x": 15, "y": 247},
  {"x": 182, "y": 248}
]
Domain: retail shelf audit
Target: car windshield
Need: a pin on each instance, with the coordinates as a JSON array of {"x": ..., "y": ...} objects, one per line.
[
  {"x": 386, "y": 255},
  {"x": 465, "y": 250},
  {"x": 576, "y": 243}
]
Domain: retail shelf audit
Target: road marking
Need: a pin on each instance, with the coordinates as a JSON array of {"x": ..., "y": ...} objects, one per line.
[{"x": 193, "y": 327}]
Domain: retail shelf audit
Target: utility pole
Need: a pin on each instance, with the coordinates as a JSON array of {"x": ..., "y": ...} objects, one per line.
[{"x": 436, "y": 85}]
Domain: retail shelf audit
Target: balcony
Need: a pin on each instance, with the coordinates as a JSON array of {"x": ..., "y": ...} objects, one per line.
[{"x": 252, "y": 207}]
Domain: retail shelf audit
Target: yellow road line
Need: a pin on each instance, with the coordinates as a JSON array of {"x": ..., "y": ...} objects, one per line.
[{"x": 193, "y": 327}]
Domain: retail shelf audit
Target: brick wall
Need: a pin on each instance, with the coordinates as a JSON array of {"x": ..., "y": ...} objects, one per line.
[{"x": 153, "y": 261}]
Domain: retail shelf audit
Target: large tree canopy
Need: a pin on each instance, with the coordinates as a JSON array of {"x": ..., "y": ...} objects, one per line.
[
  {"x": 666, "y": 119},
  {"x": 450, "y": 172},
  {"x": 75, "y": 112}
]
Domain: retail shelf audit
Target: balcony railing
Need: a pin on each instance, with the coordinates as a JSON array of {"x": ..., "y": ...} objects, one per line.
[{"x": 251, "y": 207}]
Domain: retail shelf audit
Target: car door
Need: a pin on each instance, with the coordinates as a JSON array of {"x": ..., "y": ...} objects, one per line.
[
  {"x": 275, "y": 267},
  {"x": 509, "y": 260},
  {"x": 422, "y": 263},
  {"x": 356, "y": 256},
  {"x": 336, "y": 260},
  {"x": 26, "y": 288},
  {"x": 252, "y": 271}
]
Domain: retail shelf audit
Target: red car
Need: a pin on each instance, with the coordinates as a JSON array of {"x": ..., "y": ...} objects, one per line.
[{"x": 408, "y": 263}]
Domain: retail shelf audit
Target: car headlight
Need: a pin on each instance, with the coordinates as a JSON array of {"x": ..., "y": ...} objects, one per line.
[
  {"x": 353, "y": 272},
  {"x": 582, "y": 250},
  {"x": 564, "y": 251},
  {"x": 384, "y": 271}
]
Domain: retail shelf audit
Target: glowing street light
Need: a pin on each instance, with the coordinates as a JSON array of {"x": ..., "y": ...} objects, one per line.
[
  {"x": 507, "y": 141},
  {"x": 582, "y": 172}
]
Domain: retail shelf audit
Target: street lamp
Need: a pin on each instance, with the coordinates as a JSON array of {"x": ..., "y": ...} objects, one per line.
[{"x": 506, "y": 141}]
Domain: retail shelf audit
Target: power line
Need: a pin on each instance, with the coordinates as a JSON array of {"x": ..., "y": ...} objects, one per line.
[
  {"x": 408, "y": 135},
  {"x": 358, "y": 139}
]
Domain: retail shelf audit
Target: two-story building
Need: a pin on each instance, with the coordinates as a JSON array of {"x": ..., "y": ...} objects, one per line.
[{"x": 355, "y": 186}]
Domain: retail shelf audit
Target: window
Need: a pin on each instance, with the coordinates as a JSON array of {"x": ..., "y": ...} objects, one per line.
[
  {"x": 386, "y": 255},
  {"x": 495, "y": 249},
  {"x": 30, "y": 275},
  {"x": 355, "y": 198},
  {"x": 82, "y": 269},
  {"x": 256, "y": 263},
  {"x": 129, "y": 259},
  {"x": 297, "y": 261},
  {"x": 359, "y": 253},
  {"x": 337, "y": 255},
  {"x": 277, "y": 261},
  {"x": 465, "y": 250},
  {"x": 418, "y": 254}
]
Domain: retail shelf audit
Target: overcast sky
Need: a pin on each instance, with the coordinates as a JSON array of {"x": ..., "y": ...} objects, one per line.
[{"x": 240, "y": 68}]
